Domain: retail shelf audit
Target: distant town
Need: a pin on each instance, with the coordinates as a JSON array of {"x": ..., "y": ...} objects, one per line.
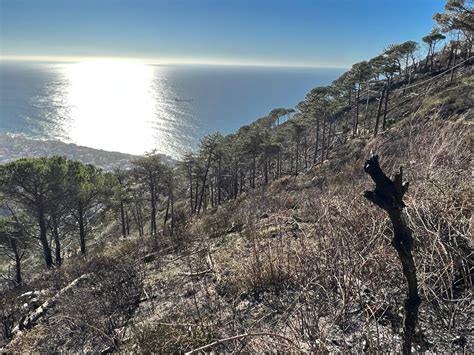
[{"x": 14, "y": 147}]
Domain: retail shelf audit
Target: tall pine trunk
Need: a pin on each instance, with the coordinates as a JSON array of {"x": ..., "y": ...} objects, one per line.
[
  {"x": 57, "y": 243},
  {"x": 323, "y": 139},
  {"x": 316, "y": 143},
  {"x": 204, "y": 181},
  {"x": 82, "y": 232},
  {"x": 297, "y": 156},
  {"x": 387, "y": 91},
  {"x": 356, "y": 114},
  {"x": 366, "y": 110},
  {"x": 44, "y": 239},
  {"x": 122, "y": 217},
  {"x": 152, "y": 183},
  {"x": 18, "y": 278},
  {"x": 219, "y": 192},
  {"x": 379, "y": 111},
  {"x": 254, "y": 168}
]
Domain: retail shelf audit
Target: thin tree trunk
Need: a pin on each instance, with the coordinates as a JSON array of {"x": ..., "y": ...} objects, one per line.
[
  {"x": 190, "y": 189},
  {"x": 127, "y": 221},
  {"x": 196, "y": 193},
  {"x": 366, "y": 109},
  {"x": 44, "y": 239},
  {"x": 428, "y": 58},
  {"x": 278, "y": 169},
  {"x": 254, "y": 168},
  {"x": 204, "y": 181},
  {"x": 316, "y": 143},
  {"x": 152, "y": 204},
  {"x": 331, "y": 128},
  {"x": 379, "y": 110},
  {"x": 236, "y": 179},
  {"x": 137, "y": 217},
  {"x": 305, "y": 151},
  {"x": 219, "y": 168},
  {"x": 57, "y": 243},
  {"x": 167, "y": 210},
  {"x": 387, "y": 92},
  {"x": 172, "y": 211},
  {"x": 122, "y": 217},
  {"x": 266, "y": 170},
  {"x": 323, "y": 139},
  {"x": 82, "y": 232},
  {"x": 432, "y": 57},
  {"x": 454, "y": 65},
  {"x": 18, "y": 281},
  {"x": 297, "y": 156},
  {"x": 356, "y": 115},
  {"x": 211, "y": 193}
]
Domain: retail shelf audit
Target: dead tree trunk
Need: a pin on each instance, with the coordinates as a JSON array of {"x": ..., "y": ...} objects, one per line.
[
  {"x": 387, "y": 92},
  {"x": 388, "y": 195},
  {"x": 379, "y": 110}
]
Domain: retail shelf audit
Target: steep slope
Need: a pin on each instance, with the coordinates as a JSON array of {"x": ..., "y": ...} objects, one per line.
[{"x": 304, "y": 263}]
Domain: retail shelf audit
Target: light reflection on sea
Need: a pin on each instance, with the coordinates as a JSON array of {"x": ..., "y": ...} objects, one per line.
[{"x": 132, "y": 107}]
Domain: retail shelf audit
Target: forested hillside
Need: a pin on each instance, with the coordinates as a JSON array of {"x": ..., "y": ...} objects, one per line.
[{"x": 263, "y": 239}]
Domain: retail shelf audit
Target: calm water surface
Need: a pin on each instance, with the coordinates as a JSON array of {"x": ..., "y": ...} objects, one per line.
[{"x": 133, "y": 108}]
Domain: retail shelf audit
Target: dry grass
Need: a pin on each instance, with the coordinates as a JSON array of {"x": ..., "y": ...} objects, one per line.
[
  {"x": 313, "y": 260},
  {"x": 307, "y": 258}
]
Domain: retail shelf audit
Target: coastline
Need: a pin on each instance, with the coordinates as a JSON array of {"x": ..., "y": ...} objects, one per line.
[{"x": 14, "y": 147}]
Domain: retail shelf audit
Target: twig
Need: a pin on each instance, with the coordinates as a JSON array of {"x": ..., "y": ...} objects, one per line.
[
  {"x": 193, "y": 274},
  {"x": 240, "y": 336}
]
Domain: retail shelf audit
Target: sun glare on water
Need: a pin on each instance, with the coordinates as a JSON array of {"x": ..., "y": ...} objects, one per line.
[{"x": 112, "y": 105}]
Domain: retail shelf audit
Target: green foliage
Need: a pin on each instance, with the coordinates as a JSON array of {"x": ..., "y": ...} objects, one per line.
[
  {"x": 55, "y": 194},
  {"x": 433, "y": 37},
  {"x": 458, "y": 16}
]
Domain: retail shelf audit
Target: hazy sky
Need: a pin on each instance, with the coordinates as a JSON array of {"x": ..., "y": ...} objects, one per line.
[{"x": 333, "y": 33}]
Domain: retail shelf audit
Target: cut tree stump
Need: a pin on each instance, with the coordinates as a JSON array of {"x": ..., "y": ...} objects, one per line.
[{"x": 388, "y": 195}]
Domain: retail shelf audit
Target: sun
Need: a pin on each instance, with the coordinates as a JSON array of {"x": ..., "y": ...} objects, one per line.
[{"x": 112, "y": 104}]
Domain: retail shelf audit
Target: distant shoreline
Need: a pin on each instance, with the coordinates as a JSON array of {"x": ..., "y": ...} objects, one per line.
[{"x": 15, "y": 146}]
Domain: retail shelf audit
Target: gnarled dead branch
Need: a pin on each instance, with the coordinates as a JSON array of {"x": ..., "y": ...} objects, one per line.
[{"x": 388, "y": 195}]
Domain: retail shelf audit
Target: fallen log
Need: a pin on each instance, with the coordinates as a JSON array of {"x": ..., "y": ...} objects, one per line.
[{"x": 41, "y": 310}]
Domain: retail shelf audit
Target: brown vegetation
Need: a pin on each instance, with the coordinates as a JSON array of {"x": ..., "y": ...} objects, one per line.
[{"x": 260, "y": 250}]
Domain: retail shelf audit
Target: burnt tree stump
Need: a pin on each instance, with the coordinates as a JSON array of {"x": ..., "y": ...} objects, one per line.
[{"x": 388, "y": 195}]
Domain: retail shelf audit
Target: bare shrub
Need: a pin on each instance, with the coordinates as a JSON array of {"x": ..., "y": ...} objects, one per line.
[
  {"x": 92, "y": 315},
  {"x": 170, "y": 338}
]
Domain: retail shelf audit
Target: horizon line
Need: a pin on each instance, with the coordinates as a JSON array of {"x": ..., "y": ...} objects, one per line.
[{"x": 163, "y": 61}]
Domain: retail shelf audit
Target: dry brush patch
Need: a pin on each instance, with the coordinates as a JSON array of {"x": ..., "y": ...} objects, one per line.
[
  {"x": 316, "y": 260},
  {"x": 92, "y": 315},
  {"x": 307, "y": 258}
]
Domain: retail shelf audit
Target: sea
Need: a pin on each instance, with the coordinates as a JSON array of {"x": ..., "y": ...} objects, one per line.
[{"x": 134, "y": 108}]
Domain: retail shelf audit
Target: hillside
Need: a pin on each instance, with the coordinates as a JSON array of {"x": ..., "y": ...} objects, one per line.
[
  {"x": 303, "y": 263},
  {"x": 341, "y": 225}
]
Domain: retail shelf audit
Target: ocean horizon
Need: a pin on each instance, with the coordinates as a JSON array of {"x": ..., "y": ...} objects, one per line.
[{"x": 169, "y": 108}]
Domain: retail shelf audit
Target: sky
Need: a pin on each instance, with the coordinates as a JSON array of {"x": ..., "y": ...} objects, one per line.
[{"x": 318, "y": 33}]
